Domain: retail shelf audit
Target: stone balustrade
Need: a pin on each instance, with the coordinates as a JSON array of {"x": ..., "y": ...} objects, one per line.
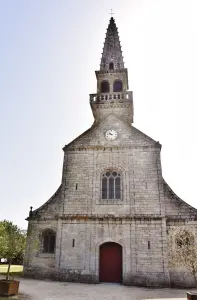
[{"x": 111, "y": 97}]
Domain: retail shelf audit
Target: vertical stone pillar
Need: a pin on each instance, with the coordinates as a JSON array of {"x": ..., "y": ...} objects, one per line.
[
  {"x": 165, "y": 252},
  {"x": 58, "y": 245}
]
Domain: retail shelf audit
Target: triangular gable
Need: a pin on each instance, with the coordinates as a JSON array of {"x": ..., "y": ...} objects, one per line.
[{"x": 128, "y": 135}]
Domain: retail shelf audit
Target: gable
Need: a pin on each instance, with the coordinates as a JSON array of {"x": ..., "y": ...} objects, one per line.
[
  {"x": 175, "y": 206},
  {"x": 50, "y": 207},
  {"x": 128, "y": 135}
]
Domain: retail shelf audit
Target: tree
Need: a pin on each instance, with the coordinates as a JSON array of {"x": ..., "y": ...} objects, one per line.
[
  {"x": 183, "y": 250},
  {"x": 12, "y": 242}
]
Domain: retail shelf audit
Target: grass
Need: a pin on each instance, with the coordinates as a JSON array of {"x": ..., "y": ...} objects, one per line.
[{"x": 14, "y": 270}]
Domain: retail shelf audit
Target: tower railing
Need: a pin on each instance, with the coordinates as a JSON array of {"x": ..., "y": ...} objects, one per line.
[{"x": 111, "y": 97}]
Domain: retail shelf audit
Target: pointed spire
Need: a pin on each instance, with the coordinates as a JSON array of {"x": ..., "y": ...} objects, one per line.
[{"x": 112, "y": 54}]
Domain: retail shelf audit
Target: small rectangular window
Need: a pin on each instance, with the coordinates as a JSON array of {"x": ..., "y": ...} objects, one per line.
[
  {"x": 73, "y": 242},
  {"x": 149, "y": 245},
  {"x": 76, "y": 186}
]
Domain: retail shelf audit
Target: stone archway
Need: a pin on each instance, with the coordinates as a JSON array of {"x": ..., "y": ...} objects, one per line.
[{"x": 110, "y": 262}]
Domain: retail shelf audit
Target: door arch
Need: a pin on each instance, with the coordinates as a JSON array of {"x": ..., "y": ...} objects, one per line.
[{"x": 110, "y": 262}]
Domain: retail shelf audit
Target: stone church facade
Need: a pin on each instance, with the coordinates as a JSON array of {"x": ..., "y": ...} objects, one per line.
[{"x": 109, "y": 219}]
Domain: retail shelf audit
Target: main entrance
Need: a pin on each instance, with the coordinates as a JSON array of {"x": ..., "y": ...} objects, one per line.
[{"x": 110, "y": 264}]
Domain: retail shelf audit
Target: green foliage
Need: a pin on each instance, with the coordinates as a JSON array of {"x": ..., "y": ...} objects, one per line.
[{"x": 12, "y": 241}]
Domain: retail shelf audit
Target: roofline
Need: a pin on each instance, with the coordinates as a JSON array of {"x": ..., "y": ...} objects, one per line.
[
  {"x": 46, "y": 203},
  {"x": 177, "y": 197}
]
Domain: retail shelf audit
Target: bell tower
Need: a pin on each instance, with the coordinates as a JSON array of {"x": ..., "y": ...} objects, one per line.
[{"x": 112, "y": 81}]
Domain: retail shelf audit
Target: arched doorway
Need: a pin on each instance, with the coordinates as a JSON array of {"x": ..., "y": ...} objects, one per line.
[{"x": 110, "y": 264}]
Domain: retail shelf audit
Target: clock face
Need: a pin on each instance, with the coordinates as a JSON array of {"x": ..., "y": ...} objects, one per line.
[{"x": 111, "y": 135}]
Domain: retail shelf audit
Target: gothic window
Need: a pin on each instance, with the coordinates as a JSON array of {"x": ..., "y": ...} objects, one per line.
[
  {"x": 48, "y": 239},
  {"x": 111, "y": 66},
  {"x": 117, "y": 86},
  {"x": 104, "y": 86},
  {"x": 111, "y": 185}
]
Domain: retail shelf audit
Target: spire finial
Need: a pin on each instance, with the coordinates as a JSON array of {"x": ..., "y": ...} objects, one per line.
[
  {"x": 112, "y": 53},
  {"x": 111, "y": 13},
  {"x": 31, "y": 212}
]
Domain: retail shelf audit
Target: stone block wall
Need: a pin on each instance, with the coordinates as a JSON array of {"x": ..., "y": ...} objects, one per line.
[
  {"x": 34, "y": 258},
  {"x": 139, "y": 178},
  {"x": 137, "y": 221},
  {"x": 142, "y": 261}
]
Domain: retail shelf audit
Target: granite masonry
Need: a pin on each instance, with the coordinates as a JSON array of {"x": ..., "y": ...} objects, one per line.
[{"x": 109, "y": 219}]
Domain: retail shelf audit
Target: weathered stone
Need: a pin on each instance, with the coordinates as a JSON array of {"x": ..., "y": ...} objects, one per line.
[{"x": 82, "y": 220}]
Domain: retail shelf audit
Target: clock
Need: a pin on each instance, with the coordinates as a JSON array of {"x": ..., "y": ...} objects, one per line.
[{"x": 111, "y": 134}]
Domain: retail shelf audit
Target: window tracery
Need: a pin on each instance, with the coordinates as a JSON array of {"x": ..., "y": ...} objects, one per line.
[
  {"x": 48, "y": 241},
  {"x": 111, "y": 185}
]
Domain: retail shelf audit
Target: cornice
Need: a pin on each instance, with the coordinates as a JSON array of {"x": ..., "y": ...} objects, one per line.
[
  {"x": 103, "y": 217},
  {"x": 111, "y": 217},
  {"x": 115, "y": 148}
]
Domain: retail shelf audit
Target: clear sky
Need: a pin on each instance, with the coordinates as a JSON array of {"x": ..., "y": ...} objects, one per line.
[{"x": 49, "y": 51}]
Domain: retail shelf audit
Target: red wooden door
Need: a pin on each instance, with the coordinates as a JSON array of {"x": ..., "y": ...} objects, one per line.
[{"x": 110, "y": 263}]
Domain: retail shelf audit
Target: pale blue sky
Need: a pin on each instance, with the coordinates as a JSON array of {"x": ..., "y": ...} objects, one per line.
[{"x": 48, "y": 54}]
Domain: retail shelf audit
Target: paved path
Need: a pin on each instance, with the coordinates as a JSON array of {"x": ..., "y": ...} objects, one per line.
[{"x": 49, "y": 290}]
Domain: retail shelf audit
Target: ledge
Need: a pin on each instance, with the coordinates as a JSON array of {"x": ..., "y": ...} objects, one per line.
[
  {"x": 109, "y": 217},
  {"x": 114, "y": 148},
  {"x": 46, "y": 255},
  {"x": 110, "y": 202}
]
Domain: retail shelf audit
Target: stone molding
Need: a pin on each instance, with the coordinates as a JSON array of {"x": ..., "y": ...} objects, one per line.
[
  {"x": 109, "y": 217},
  {"x": 102, "y": 148},
  {"x": 95, "y": 217}
]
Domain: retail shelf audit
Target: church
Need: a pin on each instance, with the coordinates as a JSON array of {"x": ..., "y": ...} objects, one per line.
[{"x": 109, "y": 219}]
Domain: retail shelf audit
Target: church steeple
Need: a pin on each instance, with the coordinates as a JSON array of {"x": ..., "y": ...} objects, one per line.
[
  {"x": 112, "y": 54},
  {"x": 112, "y": 95}
]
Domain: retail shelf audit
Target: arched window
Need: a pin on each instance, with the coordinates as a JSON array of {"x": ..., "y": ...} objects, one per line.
[
  {"x": 111, "y": 66},
  {"x": 117, "y": 86},
  {"x": 48, "y": 239},
  {"x": 105, "y": 86},
  {"x": 111, "y": 185}
]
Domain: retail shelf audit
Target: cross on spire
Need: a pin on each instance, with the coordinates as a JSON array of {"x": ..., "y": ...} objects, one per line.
[{"x": 111, "y": 13}]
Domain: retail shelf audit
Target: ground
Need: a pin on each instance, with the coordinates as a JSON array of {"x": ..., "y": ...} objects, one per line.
[{"x": 50, "y": 290}]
